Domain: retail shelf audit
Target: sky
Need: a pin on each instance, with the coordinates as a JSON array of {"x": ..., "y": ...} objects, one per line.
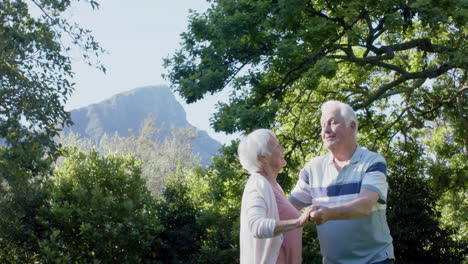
[{"x": 136, "y": 35}]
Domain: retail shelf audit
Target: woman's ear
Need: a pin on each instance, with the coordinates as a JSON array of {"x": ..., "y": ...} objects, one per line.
[{"x": 261, "y": 158}]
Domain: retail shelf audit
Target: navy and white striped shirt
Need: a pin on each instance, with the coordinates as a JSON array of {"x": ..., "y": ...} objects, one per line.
[{"x": 360, "y": 240}]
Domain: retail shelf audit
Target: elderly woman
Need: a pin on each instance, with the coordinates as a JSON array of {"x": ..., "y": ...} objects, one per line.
[{"x": 271, "y": 227}]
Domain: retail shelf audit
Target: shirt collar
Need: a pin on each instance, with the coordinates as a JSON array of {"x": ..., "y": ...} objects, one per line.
[
  {"x": 354, "y": 159},
  {"x": 356, "y": 155}
]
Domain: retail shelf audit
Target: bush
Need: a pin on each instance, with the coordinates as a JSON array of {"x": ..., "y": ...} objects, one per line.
[
  {"x": 415, "y": 223},
  {"x": 99, "y": 211}
]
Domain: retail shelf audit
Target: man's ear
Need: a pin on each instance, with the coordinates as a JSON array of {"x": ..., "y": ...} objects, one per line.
[{"x": 353, "y": 125}]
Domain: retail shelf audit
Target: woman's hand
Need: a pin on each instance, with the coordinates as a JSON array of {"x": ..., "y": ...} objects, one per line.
[
  {"x": 305, "y": 217},
  {"x": 287, "y": 225}
]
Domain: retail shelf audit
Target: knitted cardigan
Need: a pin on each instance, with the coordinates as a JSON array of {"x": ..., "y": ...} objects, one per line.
[{"x": 259, "y": 213}]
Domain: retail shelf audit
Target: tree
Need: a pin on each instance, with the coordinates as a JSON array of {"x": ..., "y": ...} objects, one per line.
[
  {"x": 401, "y": 65},
  {"x": 199, "y": 211},
  {"x": 413, "y": 215},
  {"x": 283, "y": 56},
  {"x": 99, "y": 210},
  {"x": 182, "y": 233},
  {"x": 35, "y": 82},
  {"x": 160, "y": 157},
  {"x": 35, "y": 70}
]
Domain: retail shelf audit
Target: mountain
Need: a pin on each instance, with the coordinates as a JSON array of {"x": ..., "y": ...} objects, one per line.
[{"x": 127, "y": 110}]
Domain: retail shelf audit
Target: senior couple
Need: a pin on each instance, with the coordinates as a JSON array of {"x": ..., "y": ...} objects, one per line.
[{"x": 344, "y": 192}]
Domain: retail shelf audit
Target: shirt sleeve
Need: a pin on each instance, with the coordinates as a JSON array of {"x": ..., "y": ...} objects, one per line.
[
  {"x": 301, "y": 195},
  {"x": 375, "y": 179}
]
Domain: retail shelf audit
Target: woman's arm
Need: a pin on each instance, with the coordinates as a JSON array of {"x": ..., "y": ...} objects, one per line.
[{"x": 287, "y": 225}]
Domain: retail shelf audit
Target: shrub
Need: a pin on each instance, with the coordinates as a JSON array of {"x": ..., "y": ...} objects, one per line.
[{"x": 99, "y": 211}]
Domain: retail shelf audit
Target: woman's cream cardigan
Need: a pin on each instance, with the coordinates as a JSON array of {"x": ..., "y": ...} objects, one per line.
[{"x": 259, "y": 214}]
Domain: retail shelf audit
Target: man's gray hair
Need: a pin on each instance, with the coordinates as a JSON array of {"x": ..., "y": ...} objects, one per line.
[
  {"x": 345, "y": 110},
  {"x": 253, "y": 145}
]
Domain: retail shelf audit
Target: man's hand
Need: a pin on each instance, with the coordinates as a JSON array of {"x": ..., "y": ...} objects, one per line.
[
  {"x": 359, "y": 207},
  {"x": 320, "y": 214}
]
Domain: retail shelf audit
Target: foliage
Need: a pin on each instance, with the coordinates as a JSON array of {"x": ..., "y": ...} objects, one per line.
[
  {"x": 178, "y": 214},
  {"x": 455, "y": 215},
  {"x": 310, "y": 245},
  {"x": 99, "y": 211},
  {"x": 217, "y": 191},
  {"x": 401, "y": 65},
  {"x": 20, "y": 200},
  {"x": 448, "y": 159},
  {"x": 283, "y": 59},
  {"x": 35, "y": 82},
  {"x": 413, "y": 215},
  {"x": 160, "y": 157},
  {"x": 449, "y": 165},
  {"x": 35, "y": 71}
]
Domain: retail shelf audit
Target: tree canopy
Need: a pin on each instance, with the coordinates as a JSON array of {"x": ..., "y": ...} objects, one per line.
[
  {"x": 35, "y": 82},
  {"x": 35, "y": 69},
  {"x": 401, "y": 65}
]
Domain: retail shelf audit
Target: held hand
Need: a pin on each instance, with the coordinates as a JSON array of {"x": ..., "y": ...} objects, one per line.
[
  {"x": 305, "y": 217},
  {"x": 320, "y": 214}
]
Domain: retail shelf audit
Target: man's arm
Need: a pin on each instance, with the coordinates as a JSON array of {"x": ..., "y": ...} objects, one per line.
[{"x": 359, "y": 207}]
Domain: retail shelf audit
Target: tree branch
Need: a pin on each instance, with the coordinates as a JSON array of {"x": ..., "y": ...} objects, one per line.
[
  {"x": 375, "y": 60},
  {"x": 429, "y": 73},
  {"x": 423, "y": 44},
  {"x": 415, "y": 85},
  {"x": 312, "y": 10},
  {"x": 374, "y": 33}
]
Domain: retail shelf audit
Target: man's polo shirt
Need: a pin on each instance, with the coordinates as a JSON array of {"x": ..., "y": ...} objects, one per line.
[{"x": 361, "y": 240}]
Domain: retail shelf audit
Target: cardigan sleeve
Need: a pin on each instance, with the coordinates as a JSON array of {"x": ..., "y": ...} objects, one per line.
[{"x": 257, "y": 210}]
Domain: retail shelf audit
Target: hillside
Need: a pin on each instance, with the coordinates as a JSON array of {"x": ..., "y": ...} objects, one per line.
[{"x": 126, "y": 111}]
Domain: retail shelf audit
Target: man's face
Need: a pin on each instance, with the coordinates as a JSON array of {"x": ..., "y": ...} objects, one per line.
[{"x": 335, "y": 133}]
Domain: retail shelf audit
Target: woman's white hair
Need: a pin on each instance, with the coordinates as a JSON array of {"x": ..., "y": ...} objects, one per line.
[
  {"x": 253, "y": 145},
  {"x": 346, "y": 111}
]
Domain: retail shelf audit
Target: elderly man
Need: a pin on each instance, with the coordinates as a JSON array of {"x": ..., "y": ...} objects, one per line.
[{"x": 348, "y": 190}]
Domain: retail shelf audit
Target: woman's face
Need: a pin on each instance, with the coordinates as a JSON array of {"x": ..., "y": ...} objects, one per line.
[{"x": 276, "y": 159}]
